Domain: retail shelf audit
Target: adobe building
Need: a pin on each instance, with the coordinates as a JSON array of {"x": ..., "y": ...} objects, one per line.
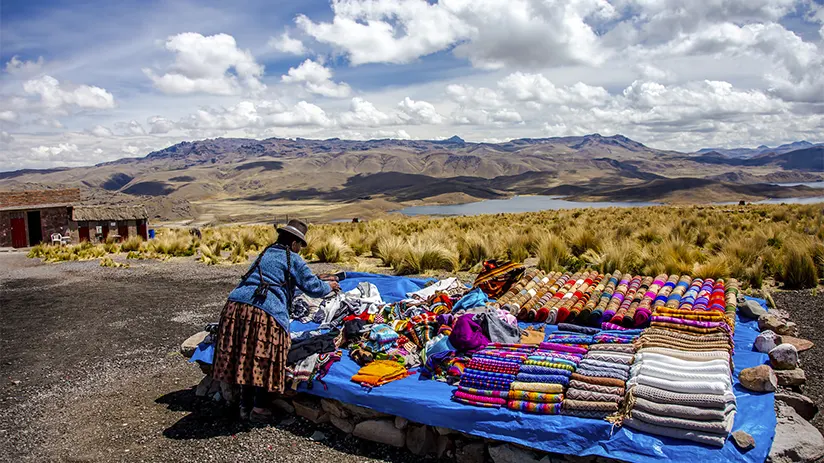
[{"x": 30, "y": 217}]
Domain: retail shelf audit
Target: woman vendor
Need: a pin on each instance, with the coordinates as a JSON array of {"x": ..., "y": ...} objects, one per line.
[{"x": 253, "y": 337}]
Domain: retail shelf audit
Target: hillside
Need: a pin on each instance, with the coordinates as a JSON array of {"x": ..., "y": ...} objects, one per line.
[{"x": 238, "y": 179}]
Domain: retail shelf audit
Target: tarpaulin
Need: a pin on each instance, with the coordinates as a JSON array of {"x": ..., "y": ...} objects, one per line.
[{"x": 429, "y": 402}]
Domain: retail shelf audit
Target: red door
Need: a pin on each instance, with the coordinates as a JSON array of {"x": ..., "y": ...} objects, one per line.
[
  {"x": 105, "y": 232},
  {"x": 18, "y": 233},
  {"x": 141, "y": 229},
  {"x": 123, "y": 231},
  {"x": 84, "y": 233}
]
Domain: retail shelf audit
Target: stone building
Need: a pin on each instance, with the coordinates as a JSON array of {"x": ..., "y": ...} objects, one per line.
[{"x": 31, "y": 217}]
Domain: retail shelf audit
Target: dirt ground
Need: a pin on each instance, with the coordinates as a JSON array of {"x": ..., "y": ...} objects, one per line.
[{"x": 90, "y": 370}]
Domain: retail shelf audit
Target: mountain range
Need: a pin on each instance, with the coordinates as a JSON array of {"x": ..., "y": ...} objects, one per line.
[
  {"x": 247, "y": 180},
  {"x": 763, "y": 149}
]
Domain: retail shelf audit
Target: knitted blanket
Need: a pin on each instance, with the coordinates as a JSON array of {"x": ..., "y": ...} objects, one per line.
[
  {"x": 722, "y": 427},
  {"x": 530, "y": 378},
  {"x": 534, "y": 407},
  {"x": 590, "y": 405},
  {"x": 695, "y": 436},
  {"x": 686, "y": 355},
  {"x": 626, "y": 348},
  {"x": 579, "y": 394},
  {"x": 713, "y": 367},
  {"x": 601, "y": 381},
  {"x": 619, "y": 358},
  {"x": 688, "y": 387},
  {"x": 475, "y": 398},
  {"x": 593, "y": 362},
  {"x": 484, "y": 392},
  {"x": 530, "y": 396},
  {"x": 682, "y": 411},
  {"x": 542, "y": 370},
  {"x": 697, "y": 375},
  {"x": 548, "y": 388},
  {"x": 601, "y": 372},
  {"x": 596, "y": 387},
  {"x": 662, "y": 396}
]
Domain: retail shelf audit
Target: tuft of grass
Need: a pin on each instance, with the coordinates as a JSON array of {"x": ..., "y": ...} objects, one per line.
[
  {"x": 210, "y": 254},
  {"x": 621, "y": 255},
  {"x": 109, "y": 262},
  {"x": 799, "y": 268},
  {"x": 427, "y": 255},
  {"x": 390, "y": 250},
  {"x": 333, "y": 249},
  {"x": 583, "y": 239},
  {"x": 473, "y": 249},
  {"x": 132, "y": 243},
  {"x": 715, "y": 268},
  {"x": 238, "y": 254},
  {"x": 553, "y": 253}
]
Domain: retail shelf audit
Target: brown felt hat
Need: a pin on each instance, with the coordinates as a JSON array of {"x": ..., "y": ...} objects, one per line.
[{"x": 297, "y": 228}]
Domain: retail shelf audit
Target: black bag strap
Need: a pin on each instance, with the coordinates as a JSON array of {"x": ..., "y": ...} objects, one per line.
[{"x": 290, "y": 291}]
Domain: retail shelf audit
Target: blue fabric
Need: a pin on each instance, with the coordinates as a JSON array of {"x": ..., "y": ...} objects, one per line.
[
  {"x": 273, "y": 268},
  {"x": 551, "y": 433},
  {"x": 470, "y": 300}
]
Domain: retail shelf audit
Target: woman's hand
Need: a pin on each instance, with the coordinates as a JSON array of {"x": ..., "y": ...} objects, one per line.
[
  {"x": 334, "y": 285},
  {"x": 327, "y": 277}
]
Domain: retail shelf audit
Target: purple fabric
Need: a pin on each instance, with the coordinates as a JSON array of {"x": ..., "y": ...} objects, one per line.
[{"x": 467, "y": 336}]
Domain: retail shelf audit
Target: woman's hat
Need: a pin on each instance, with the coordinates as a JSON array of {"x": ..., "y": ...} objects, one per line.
[{"x": 296, "y": 228}]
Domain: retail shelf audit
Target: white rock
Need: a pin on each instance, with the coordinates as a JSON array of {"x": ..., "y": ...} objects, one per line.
[
  {"x": 766, "y": 341},
  {"x": 784, "y": 357},
  {"x": 187, "y": 348},
  {"x": 796, "y": 440}
]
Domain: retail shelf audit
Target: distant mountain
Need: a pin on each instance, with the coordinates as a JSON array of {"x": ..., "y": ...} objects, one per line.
[
  {"x": 243, "y": 179},
  {"x": 763, "y": 149}
]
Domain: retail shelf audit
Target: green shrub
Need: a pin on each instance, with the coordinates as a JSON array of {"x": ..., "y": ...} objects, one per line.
[{"x": 799, "y": 268}]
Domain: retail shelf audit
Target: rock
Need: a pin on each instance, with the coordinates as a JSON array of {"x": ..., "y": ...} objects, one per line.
[
  {"x": 203, "y": 386},
  {"x": 751, "y": 309},
  {"x": 790, "y": 378},
  {"x": 800, "y": 344},
  {"x": 743, "y": 441},
  {"x": 506, "y": 453},
  {"x": 383, "y": 431},
  {"x": 784, "y": 357},
  {"x": 473, "y": 452},
  {"x": 187, "y": 348},
  {"x": 766, "y": 341},
  {"x": 229, "y": 392},
  {"x": 789, "y": 329},
  {"x": 362, "y": 413},
  {"x": 445, "y": 447},
  {"x": 214, "y": 387},
  {"x": 318, "y": 436},
  {"x": 401, "y": 422},
  {"x": 802, "y": 404},
  {"x": 443, "y": 431},
  {"x": 283, "y": 405},
  {"x": 311, "y": 411},
  {"x": 16, "y": 382},
  {"x": 759, "y": 379},
  {"x": 342, "y": 424},
  {"x": 334, "y": 408},
  {"x": 421, "y": 440},
  {"x": 796, "y": 440},
  {"x": 770, "y": 322}
]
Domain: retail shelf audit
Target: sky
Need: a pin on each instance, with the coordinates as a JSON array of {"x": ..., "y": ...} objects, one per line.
[{"x": 88, "y": 81}]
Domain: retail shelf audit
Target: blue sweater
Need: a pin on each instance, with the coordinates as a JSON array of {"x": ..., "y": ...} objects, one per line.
[{"x": 273, "y": 267}]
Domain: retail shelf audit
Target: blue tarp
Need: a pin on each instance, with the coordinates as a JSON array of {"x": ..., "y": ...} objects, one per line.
[{"x": 428, "y": 402}]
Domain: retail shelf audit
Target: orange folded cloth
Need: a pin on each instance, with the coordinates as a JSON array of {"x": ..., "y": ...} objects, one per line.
[{"x": 380, "y": 372}]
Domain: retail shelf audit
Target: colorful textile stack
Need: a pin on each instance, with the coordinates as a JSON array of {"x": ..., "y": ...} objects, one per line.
[
  {"x": 593, "y": 312},
  {"x": 543, "y": 376},
  {"x": 382, "y": 338},
  {"x": 597, "y": 386},
  {"x": 486, "y": 380},
  {"x": 680, "y": 384},
  {"x": 580, "y": 299},
  {"x": 496, "y": 279}
]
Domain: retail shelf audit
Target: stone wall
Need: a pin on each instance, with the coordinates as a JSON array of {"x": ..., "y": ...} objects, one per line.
[
  {"x": 39, "y": 197},
  {"x": 52, "y": 220}
]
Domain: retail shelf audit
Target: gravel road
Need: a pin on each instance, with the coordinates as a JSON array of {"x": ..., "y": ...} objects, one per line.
[
  {"x": 806, "y": 309},
  {"x": 90, "y": 370}
]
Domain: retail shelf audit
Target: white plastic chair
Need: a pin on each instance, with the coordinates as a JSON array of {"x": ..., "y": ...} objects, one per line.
[{"x": 56, "y": 238}]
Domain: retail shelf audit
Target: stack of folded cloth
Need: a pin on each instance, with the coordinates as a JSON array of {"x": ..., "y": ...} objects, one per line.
[
  {"x": 533, "y": 310},
  {"x": 550, "y": 308},
  {"x": 597, "y": 386},
  {"x": 543, "y": 376},
  {"x": 487, "y": 378},
  {"x": 580, "y": 299},
  {"x": 680, "y": 384},
  {"x": 382, "y": 338},
  {"x": 593, "y": 311},
  {"x": 561, "y": 312},
  {"x": 617, "y": 308}
]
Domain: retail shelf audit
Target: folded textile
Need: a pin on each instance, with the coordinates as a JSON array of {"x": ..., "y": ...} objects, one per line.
[
  {"x": 562, "y": 348},
  {"x": 476, "y": 403},
  {"x": 722, "y": 427},
  {"x": 474, "y": 398},
  {"x": 530, "y": 396},
  {"x": 559, "y": 363},
  {"x": 549, "y": 388},
  {"x": 668, "y": 360},
  {"x": 687, "y": 355},
  {"x": 688, "y": 387},
  {"x": 579, "y": 394},
  {"x": 626, "y": 348},
  {"x": 715, "y": 440},
  {"x": 577, "y": 328},
  {"x": 658, "y": 395},
  {"x": 682, "y": 411},
  {"x": 594, "y": 362},
  {"x": 601, "y": 372},
  {"x": 532, "y": 336},
  {"x": 576, "y": 384},
  {"x": 542, "y": 370},
  {"x": 534, "y": 407},
  {"x": 696, "y": 375},
  {"x": 592, "y": 414},
  {"x": 602, "y": 381},
  {"x": 693, "y": 368},
  {"x": 572, "y": 404},
  {"x": 380, "y": 372},
  {"x": 467, "y": 335},
  {"x": 530, "y": 378},
  {"x": 619, "y": 358},
  {"x": 548, "y": 356},
  {"x": 484, "y": 392}
]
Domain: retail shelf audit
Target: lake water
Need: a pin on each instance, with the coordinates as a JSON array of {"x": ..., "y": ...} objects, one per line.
[
  {"x": 516, "y": 204},
  {"x": 543, "y": 203},
  {"x": 809, "y": 184}
]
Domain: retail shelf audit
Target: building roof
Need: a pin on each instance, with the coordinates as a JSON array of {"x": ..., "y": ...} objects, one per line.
[
  {"x": 37, "y": 207},
  {"x": 102, "y": 213},
  {"x": 36, "y": 199}
]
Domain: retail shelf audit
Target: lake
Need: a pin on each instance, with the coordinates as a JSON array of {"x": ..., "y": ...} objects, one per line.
[
  {"x": 809, "y": 184},
  {"x": 543, "y": 203}
]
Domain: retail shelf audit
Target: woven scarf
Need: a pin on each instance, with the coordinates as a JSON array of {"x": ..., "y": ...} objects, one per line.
[
  {"x": 681, "y": 411},
  {"x": 530, "y": 378},
  {"x": 687, "y": 387},
  {"x": 547, "y": 388},
  {"x": 584, "y": 386},
  {"x": 479, "y": 398},
  {"x": 536, "y": 396},
  {"x": 658, "y": 429},
  {"x": 578, "y": 394},
  {"x": 540, "y": 370},
  {"x": 559, "y": 363},
  {"x": 601, "y": 381},
  {"x": 534, "y": 407},
  {"x": 571, "y": 404}
]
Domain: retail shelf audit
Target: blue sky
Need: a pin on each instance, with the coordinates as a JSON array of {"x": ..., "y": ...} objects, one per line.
[{"x": 90, "y": 81}]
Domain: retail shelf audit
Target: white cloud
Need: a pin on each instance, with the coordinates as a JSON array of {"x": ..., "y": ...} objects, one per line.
[
  {"x": 474, "y": 97},
  {"x": 51, "y": 153},
  {"x": 6, "y": 138},
  {"x": 317, "y": 79},
  {"x": 419, "y": 112},
  {"x": 255, "y": 116},
  {"x": 471, "y": 116},
  {"x": 100, "y": 131},
  {"x": 160, "y": 125},
  {"x": 286, "y": 44},
  {"x": 302, "y": 114},
  {"x": 17, "y": 66},
  {"x": 490, "y": 33},
  {"x": 8, "y": 116},
  {"x": 58, "y": 98},
  {"x": 208, "y": 64},
  {"x": 134, "y": 128},
  {"x": 364, "y": 114},
  {"x": 537, "y": 88}
]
